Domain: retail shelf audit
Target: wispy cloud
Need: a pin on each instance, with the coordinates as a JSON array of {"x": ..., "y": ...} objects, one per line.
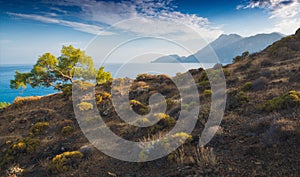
[
  {"x": 152, "y": 17},
  {"x": 150, "y": 14},
  {"x": 272, "y": 4},
  {"x": 92, "y": 29},
  {"x": 284, "y": 13}
]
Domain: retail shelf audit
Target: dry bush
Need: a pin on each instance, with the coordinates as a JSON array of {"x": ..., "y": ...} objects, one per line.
[
  {"x": 259, "y": 84},
  {"x": 205, "y": 157},
  {"x": 65, "y": 161}
]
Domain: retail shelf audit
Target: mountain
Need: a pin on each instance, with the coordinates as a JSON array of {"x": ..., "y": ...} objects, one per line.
[
  {"x": 169, "y": 59},
  {"x": 226, "y": 47}
]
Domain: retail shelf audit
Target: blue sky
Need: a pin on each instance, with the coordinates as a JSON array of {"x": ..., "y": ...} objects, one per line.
[{"x": 29, "y": 29}]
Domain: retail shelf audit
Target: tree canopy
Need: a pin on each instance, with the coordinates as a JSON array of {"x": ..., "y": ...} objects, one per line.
[{"x": 59, "y": 72}]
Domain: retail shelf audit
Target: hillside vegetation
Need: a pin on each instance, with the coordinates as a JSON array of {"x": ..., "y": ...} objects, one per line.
[{"x": 259, "y": 134}]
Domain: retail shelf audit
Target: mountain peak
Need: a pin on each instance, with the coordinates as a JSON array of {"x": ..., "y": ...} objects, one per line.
[
  {"x": 226, "y": 47},
  {"x": 228, "y": 36}
]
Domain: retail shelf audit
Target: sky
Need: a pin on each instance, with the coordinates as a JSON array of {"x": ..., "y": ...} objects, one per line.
[{"x": 105, "y": 28}]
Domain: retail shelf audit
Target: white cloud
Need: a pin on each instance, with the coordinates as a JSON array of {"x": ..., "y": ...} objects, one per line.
[
  {"x": 157, "y": 18},
  {"x": 285, "y": 14},
  {"x": 150, "y": 15},
  {"x": 92, "y": 29},
  {"x": 288, "y": 11},
  {"x": 270, "y": 4}
]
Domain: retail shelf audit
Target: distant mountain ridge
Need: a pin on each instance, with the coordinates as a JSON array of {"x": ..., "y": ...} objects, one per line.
[{"x": 226, "y": 47}]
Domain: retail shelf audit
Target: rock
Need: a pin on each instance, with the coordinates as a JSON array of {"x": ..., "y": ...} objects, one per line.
[
  {"x": 111, "y": 174},
  {"x": 86, "y": 150}
]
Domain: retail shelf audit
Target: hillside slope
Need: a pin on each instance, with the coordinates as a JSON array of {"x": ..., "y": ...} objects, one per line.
[{"x": 259, "y": 134}]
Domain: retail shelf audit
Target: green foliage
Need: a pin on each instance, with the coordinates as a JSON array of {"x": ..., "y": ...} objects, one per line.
[
  {"x": 203, "y": 76},
  {"x": 65, "y": 161},
  {"x": 4, "y": 104},
  {"x": 85, "y": 106},
  {"x": 242, "y": 97},
  {"x": 26, "y": 145},
  {"x": 226, "y": 72},
  {"x": 102, "y": 97},
  {"x": 238, "y": 58},
  {"x": 166, "y": 121},
  {"x": 170, "y": 102},
  {"x": 83, "y": 85},
  {"x": 207, "y": 93},
  {"x": 205, "y": 84},
  {"x": 67, "y": 130},
  {"x": 245, "y": 54},
  {"x": 38, "y": 128},
  {"x": 102, "y": 76},
  {"x": 289, "y": 100},
  {"x": 139, "y": 107},
  {"x": 246, "y": 87},
  {"x": 58, "y": 72},
  {"x": 182, "y": 137}
]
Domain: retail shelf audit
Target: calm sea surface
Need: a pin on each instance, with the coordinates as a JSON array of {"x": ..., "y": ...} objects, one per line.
[{"x": 118, "y": 70}]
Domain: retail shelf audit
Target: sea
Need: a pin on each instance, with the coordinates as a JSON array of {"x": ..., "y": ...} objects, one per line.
[{"x": 118, "y": 70}]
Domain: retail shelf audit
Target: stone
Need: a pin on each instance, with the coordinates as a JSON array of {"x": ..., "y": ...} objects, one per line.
[{"x": 86, "y": 150}]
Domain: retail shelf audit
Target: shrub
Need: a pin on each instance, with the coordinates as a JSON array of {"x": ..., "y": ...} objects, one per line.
[
  {"x": 289, "y": 100},
  {"x": 105, "y": 95},
  {"x": 4, "y": 104},
  {"x": 38, "y": 128},
  {"x": 207, "y": 93},
  {"x": 246, "y": 87},
  {"x": 203, "y": 76},
  {"x": 170, "y": 102},
  {"x": 165, "y": 119},
  {"x": 22, "y": 100},
  {"x": 26, "y": 145},
  {"x": 139, "y": 107},
  {"x": 102, "y": 97},
  {"x": 259, "y": 84},
  {"x": 226, "y": 72},
  {"x": 161, "y": 144},
  {"x": 244, "y": 55},
  {"x": 67, "y": 130},
  {"x": 182, "y": 137},
  {"x": 205, "y": 84},
  {"x": 20, "y": 146},
  {"x": 205, "y": 157},
  {"x": 242, "y": 97},
  {"x": 85, "y": 106},
  {"x": 65, "y": 161}
]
